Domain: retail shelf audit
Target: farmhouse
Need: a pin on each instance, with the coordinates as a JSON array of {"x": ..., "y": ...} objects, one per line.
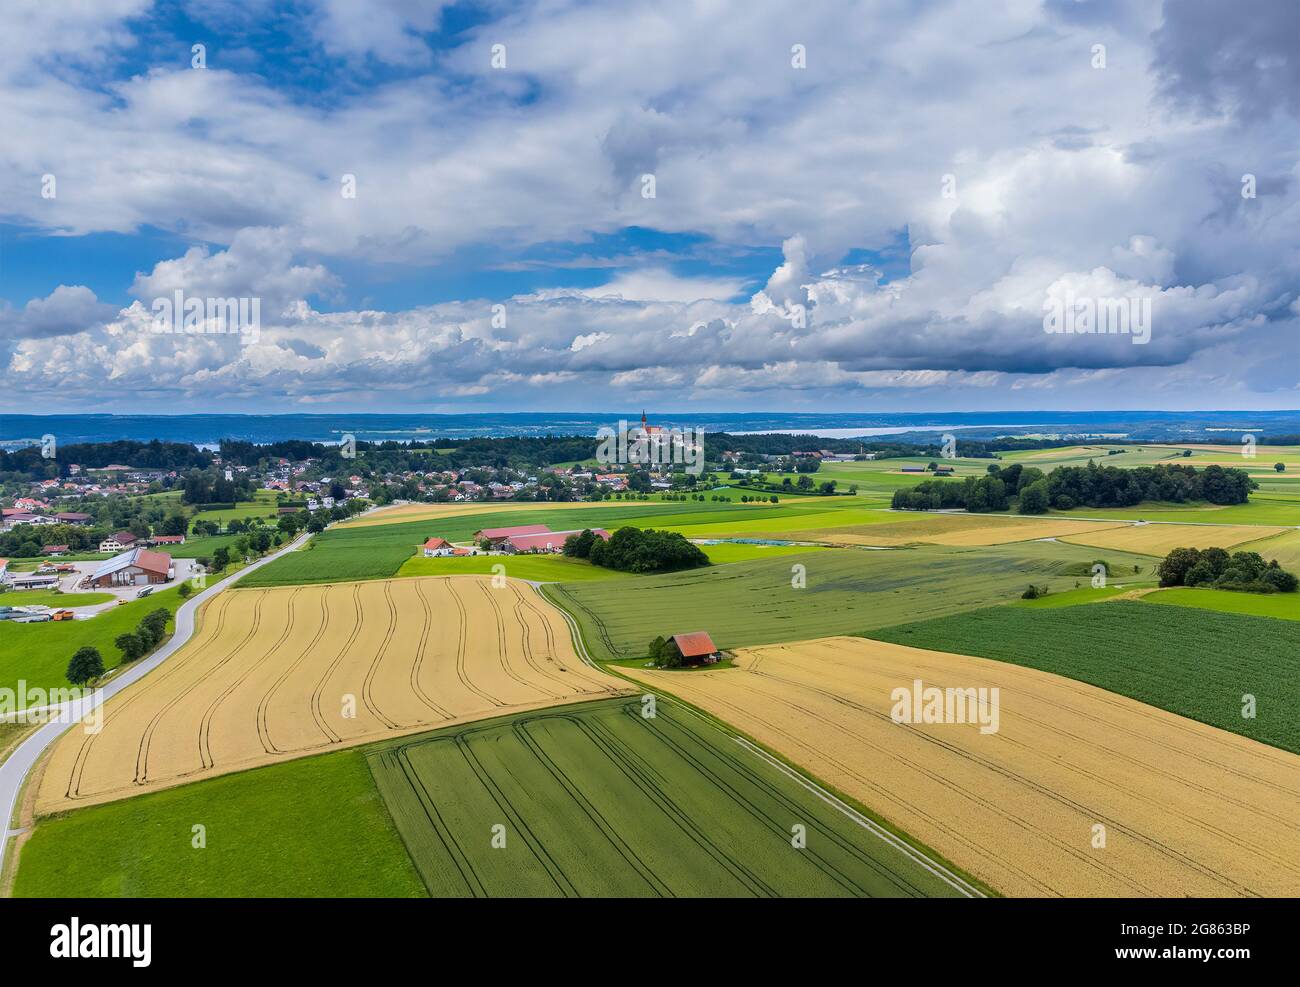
[
  {"x": 697, "y": 648},
  {"x": 118, "y": 542},
  {"x": 138, "y": 567},
  {"x": 545, "y": 541},
  {"x": 496, "y": 537},
  {"x": 437, "y": 546}
]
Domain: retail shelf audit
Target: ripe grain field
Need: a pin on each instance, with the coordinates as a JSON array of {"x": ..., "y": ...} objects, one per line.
[
  {"x": 1197, "y": 663},
  {"x": 284, "y": 673},
  {"x": 1185, "y": 809}
]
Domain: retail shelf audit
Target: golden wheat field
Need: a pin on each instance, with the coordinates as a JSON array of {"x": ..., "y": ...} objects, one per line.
[
  {"x": 1162, "y": 538},
  {"x": 1187, "y": 809},
  {"x": 957, "y": 529},
  {"x": 281, "y": 673}
]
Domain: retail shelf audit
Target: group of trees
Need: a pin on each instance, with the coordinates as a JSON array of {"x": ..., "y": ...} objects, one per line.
[
  {"x": 212, "y": 487},
  {"x": 28, "y": 464},
  {"x": 147, "y": 635},
  {"x": 1215, "y": 567},
  {"x": 1077, "y": 486},
  {"x": 87, "y": 664},
  {"x": 636, "y": 550}
]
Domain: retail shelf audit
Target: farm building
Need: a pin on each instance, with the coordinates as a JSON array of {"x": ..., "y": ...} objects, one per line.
[
  {"x": 697, "y": 648},
  {"x": 138, "y": 567},
  {"x": 34, "y": 580},
  {"x": 73, "y": 517},
  {"x": 55, "y": 550},
  {"x": 118, "y": 542},
  {"x": 545, "y": 541},
  {"x": 496, "y": 537},
  {"x": 167, "y": 540},
  {"x": 437, "y": 546}
]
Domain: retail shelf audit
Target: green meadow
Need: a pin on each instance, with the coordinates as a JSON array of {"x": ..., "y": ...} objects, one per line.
[
  {"x": 314, "y": 827},
  {"x": 843, "y": 591}
]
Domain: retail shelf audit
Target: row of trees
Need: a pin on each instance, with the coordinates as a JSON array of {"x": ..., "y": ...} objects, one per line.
[
  {"x": 87, "y": 663},
  {"x": 1068, "y": 487},
  {"x": 1215, "y": 567},
  {"x": 636, "y": 550}
]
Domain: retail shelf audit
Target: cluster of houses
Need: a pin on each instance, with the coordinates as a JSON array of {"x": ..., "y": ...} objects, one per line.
[
  {"x": 523, "y": 539},
  {"x": 124, "y": 540}
]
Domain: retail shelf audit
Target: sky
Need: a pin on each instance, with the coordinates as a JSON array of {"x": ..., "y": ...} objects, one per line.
[{"x": 728, "y": 205}]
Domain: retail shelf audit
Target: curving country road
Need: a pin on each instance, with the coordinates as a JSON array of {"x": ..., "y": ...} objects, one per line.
[{"x": 13, "y": 772}]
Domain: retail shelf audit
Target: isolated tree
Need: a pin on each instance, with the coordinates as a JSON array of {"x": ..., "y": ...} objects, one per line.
[
  {"x": 1280, "y": 467},
  {"x": 221, "y": 558},
  {"x": 86, "y": 664},
  {"x": 184, "y": 591}
]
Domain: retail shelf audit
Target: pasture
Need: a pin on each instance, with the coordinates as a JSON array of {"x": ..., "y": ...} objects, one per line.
[
  {"x": 279, "y": 674},
  {"x": 310, "y": 828},
  {"x": 1188, "y": 810},
  {"x": 1285, "y": 606},
  {"x": 1193, "y": 662},
  {"x": 845, "y": 591},
  {"x": 596, "y": 800},
  {"x": 39, "y": 653}
]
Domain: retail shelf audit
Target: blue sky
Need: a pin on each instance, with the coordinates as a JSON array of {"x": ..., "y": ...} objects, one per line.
[{"x": 856, "y": 212}]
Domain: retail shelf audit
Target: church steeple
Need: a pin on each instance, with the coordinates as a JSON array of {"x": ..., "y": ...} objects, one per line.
[{"x": 643, "y": 421}]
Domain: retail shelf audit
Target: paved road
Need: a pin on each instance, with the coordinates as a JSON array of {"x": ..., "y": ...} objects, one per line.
[{"x": 15, "y": 768}]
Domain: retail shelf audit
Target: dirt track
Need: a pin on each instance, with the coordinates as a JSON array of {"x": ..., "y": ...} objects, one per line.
[
  {"x": 1188, "y": 809},
  {"x": 280, "y": 673}
]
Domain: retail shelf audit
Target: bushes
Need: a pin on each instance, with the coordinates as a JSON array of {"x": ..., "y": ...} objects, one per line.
[{"x": 1243, "y": 571}]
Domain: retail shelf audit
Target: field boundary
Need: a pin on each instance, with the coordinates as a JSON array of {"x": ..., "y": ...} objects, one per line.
[{"x": 861, "y": 814}]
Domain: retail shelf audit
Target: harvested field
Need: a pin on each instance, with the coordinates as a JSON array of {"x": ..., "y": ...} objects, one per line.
[
  {"x": 1188, "y": 810},
  {"x": 597, "y": 800},
  {"x": 282, "y": 673},
  {"x": 1160, "y": 539},
  {"x": 960, "y": 529}
]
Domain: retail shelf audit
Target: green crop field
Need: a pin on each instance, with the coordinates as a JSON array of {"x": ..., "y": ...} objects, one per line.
[
  {"x": 1282, "y": 605},
  {"x": 1196, "y": 663},
  {"x": 596, "y": 800},
  {"x": 1074, "y": 597},
  {"x": 39, "y": 653},
  {"x": 846, "y": 591},
  {"x": 379, "y": 551},
  {"x": 539, "y": 568},
  {"x": 315, "y": 827}
]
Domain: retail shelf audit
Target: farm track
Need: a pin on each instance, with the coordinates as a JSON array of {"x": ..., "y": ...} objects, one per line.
[
  {"x": 1186, "y": 809},
  {"x": 283, "y": 673}
]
